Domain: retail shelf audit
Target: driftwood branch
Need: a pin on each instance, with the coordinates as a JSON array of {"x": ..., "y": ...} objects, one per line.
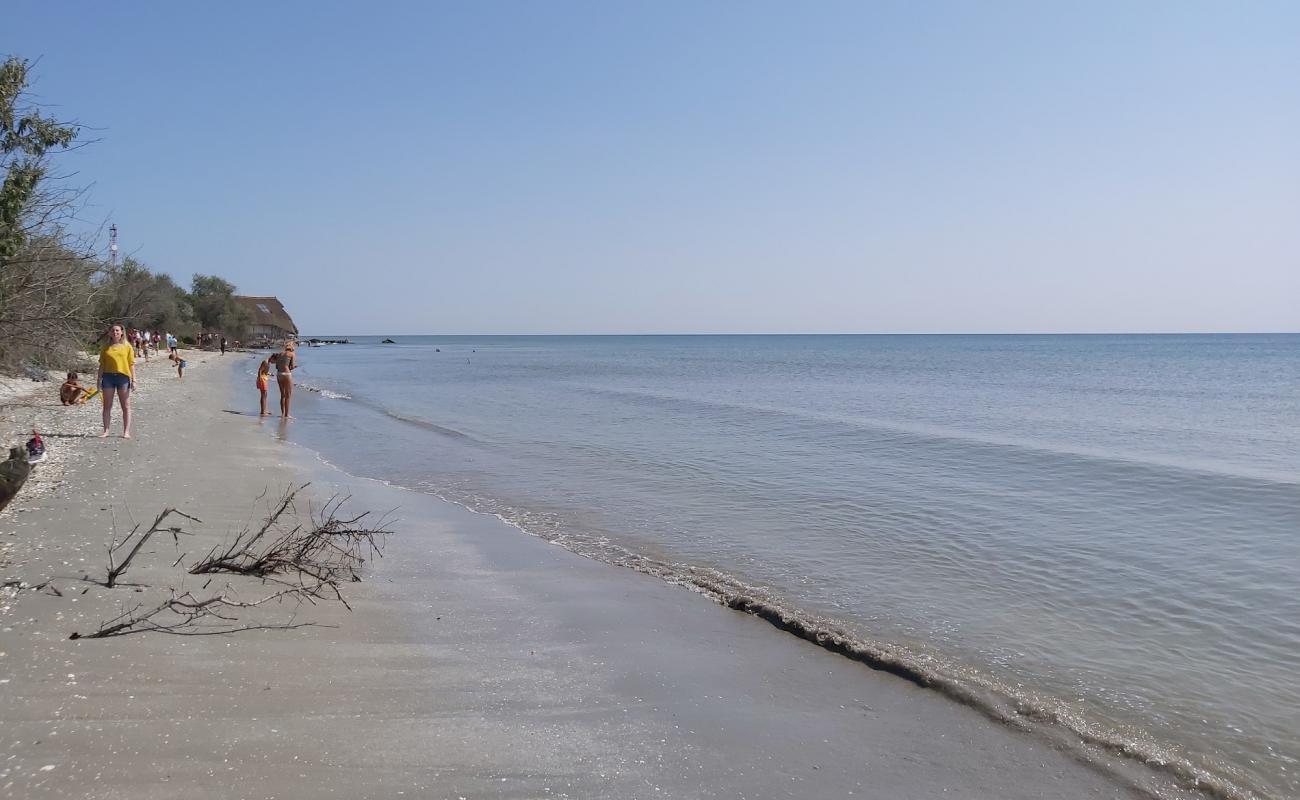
[
  {"x": 304, "y": 562},
  {"x": 115, "y": 569},
  {"x": 330, "y": 550},
  {"x": 184, "y": 614}
]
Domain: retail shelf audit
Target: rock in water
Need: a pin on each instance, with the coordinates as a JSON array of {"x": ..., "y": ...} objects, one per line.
[{"x": 13, "y": 474}]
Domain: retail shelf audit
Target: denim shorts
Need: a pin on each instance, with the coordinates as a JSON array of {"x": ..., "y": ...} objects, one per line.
[{"x": 114, "y": 380}]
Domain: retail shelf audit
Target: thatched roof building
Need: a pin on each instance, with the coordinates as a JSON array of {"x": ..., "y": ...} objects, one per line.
[{"x": 270, "y": 320}]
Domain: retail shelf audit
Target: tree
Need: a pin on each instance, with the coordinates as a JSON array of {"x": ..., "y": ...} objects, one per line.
[
  {"x": 137, "y": 297},
  {"x": 46, "y": 286},
  {"x": 211, "y": 297},
  {"x": 214, "y": 304},
  {"x": 129, "y": 294},
  {"x": 46, "y": 296},
  {"x": 26, "y": 137}
]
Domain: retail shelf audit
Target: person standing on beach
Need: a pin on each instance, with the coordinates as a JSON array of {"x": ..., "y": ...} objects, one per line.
[
  {"x": 285, "y": 363},
  {"x": 223, "y": 345},
  {"x": 117, "y": 377}
]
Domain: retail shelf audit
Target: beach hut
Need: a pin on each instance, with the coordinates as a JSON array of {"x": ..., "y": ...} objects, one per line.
[{"x": 271, "y": 322}]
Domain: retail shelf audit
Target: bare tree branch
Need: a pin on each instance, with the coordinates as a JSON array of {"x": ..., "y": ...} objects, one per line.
[
  {"x": 186, "y": 615},
  {"x": 330, "y": 550},
  {"x": 116, "y": 570},
  {"x": 305, "y": 563}
]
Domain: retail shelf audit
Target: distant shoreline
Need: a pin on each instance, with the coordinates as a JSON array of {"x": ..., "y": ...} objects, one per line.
[{"x": 756, "y": 335}]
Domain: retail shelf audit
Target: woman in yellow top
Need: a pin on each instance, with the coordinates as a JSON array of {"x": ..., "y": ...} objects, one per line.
[{"x": 117, "y": 377}]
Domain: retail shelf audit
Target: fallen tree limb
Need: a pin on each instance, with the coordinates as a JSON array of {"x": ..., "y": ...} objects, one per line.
[
  {"x": 115, "y": 570},
  {"x": 186, "y": 615},
  {"x": 304, "y": 562},
  {"x": 330, "y": 550}
]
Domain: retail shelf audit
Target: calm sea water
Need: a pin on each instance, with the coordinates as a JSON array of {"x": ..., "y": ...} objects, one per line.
[{"x": 1104, "y": 530}]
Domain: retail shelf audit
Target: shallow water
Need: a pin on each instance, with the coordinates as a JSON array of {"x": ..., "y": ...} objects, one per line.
[{"x": 1104, "y": 528}]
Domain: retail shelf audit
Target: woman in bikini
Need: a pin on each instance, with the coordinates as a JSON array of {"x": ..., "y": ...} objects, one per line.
[{"x": 285, "y": 363}]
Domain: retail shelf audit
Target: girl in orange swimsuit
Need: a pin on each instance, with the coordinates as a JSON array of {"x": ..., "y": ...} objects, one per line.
[{"x": 264, "y": 383}]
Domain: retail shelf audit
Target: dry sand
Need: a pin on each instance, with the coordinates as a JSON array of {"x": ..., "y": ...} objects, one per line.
[{"x": 477, "y": 662}]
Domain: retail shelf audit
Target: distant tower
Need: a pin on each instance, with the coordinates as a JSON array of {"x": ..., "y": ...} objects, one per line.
[{"x": 112, "y": 244}]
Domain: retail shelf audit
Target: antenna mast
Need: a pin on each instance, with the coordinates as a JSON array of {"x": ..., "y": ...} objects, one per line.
[{"x": 112, "y": 244}]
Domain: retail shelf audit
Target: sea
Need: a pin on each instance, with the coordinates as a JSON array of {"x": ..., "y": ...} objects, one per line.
[{"x": 1096, "y": 538}]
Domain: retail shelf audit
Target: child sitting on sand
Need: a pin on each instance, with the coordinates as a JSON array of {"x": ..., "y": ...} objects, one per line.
[
  {"x": 71, "y": 391},
  {"x": 263, "y": 382}
]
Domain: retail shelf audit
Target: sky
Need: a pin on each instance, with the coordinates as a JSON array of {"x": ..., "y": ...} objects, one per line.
[{"x": 696, "y": 167}]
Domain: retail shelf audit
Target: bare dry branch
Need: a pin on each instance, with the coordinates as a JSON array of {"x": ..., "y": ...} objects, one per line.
[
  {"x": 115, "y": 570},
  {"x": 184, "y": 614},
  {"x": 305, "y": 563},
  {"x": 331, "y": 550}
]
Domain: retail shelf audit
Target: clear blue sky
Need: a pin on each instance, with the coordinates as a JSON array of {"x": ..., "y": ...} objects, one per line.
[{"x": 610, "y": 167}]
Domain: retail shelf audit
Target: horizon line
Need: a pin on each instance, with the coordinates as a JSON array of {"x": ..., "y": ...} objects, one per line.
[{"x": 819, "y": 333}]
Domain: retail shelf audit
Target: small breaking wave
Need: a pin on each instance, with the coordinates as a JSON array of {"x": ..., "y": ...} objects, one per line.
[
  {"x": 323, "y": 392},
  {"x": 406, "y": 419},
  {"x": 425, "y": 424}
]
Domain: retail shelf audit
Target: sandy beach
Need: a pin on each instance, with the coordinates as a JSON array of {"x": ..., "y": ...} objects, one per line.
[{"x": 476, "y": 661}]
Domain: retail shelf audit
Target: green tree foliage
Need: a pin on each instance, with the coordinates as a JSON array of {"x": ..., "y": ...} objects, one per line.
[
  {"x": 139, "y": 298},
  {"x": 46, "y": 281},
  {"x": 26, "y": 136},
  {"x": 214, "y": 305}
]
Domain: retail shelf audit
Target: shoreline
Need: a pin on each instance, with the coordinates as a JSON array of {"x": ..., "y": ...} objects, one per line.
[
  {"x": 1125, "y": 752},
  {"x": 477, "y": 661}
]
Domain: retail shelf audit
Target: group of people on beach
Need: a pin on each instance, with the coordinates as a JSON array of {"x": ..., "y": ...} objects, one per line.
[
  {"x": 213, "y": 341},
  {"x": 144, "y": 341},
  {"x": 285, "y": 362},
  {"x": 116, "y": 374}
]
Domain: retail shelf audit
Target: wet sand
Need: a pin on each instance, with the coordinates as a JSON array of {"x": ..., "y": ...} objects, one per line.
[{"x": 476, "y": 662}]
